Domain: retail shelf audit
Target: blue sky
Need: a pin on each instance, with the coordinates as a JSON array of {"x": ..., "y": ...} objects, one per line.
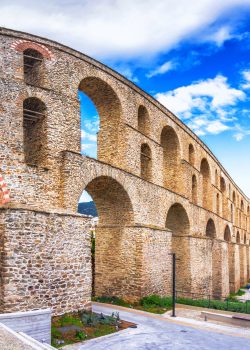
[{"x": 191, "y": 56}]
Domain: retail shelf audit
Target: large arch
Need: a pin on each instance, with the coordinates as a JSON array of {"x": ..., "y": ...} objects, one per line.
[
  {"x": 171, "y": 158},
  {"x": 115, "y": 256},
  {"x": 206, "y": 184},
  {"x": 178, "y": 222},
  {"x": 109, "y": 110}
]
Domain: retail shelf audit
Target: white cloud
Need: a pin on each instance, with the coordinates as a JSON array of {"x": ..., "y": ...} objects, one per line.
[
  {"x": 85, "y": 197},
  {"x": 165, "y": 67},
  {"x": 220, "y": 35},
  {"x": 203, "y": 124},
  {"x": 246, "y": 77},
  {"x": 120, "y": 29},
  {"x": 206, "y": 105},
  {"x": 87, "y": 136},
  {"x": 213, "y": 93}
]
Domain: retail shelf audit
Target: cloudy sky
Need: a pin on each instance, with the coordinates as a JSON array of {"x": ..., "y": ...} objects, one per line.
[{"x": 192, "y": 56}]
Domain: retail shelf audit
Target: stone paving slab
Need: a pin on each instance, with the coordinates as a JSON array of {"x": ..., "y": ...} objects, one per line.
[{"x": 155, "y": 332}]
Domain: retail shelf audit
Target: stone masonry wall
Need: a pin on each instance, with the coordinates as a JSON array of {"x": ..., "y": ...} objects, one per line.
[{"x": 45, "y": 261}]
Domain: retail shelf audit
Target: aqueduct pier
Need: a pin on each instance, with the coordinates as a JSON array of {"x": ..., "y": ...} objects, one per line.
[{"x": 157, "y": 189}]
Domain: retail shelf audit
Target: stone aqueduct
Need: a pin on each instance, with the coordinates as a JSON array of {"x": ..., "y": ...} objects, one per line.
[{"x": 156, "y": 186}]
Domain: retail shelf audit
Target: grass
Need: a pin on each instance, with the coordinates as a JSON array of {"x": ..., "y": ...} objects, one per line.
[
  {"x": 159, "y": 305},
  {"x": 148, "y": 306}
]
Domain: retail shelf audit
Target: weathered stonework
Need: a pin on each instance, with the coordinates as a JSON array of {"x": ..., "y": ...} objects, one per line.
[{"x": 156, "y": 186}]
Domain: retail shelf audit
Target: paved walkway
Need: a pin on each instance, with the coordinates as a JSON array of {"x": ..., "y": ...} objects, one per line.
[{"x": 156, "y": 332}]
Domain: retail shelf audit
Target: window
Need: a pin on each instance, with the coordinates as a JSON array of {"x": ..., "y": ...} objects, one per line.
[
  {"x": 191, "y": 154},
  {"x": 34, "y": 131},
  {"x": 32, "y": 66}
]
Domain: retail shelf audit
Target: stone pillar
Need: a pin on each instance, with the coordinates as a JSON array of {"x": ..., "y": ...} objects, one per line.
[
  {"x": 132, "y": 262},
  {"x": 243, "y": 265},
  {"x": 233, "y": 261},
  {"x": 201, "y": 265},
  {"x": 220, "y": 271}
]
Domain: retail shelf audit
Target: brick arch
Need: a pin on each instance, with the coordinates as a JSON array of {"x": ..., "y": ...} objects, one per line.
[
  {"x": 4, "y": 192},
  {"x": 113, "y": 203},
  {"x": 22, "y": 45}
]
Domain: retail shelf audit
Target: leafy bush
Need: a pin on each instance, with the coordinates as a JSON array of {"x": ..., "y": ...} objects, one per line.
[{"x": 156, "y": 301}]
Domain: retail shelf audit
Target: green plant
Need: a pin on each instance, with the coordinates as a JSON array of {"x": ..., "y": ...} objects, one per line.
[
  {"x": 156, "y": 301},
  {"x": 67, "y": 319},
  {"x": 80, "y": 335}
]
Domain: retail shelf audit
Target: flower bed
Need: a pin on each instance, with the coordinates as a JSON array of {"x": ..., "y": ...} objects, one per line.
[{"x": 77, "y": 327}]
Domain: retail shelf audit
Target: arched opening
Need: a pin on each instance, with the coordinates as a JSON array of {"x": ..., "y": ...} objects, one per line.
[
  {"x": 218, "y": 203},
  {"x": 232, "y": 213},
  {"x": 245, "y": 239},
  {"x": 216, "y": 178},
  {"x": 229, "y": 191},
  {"x": 242, "y": 206},
  {"x": 171, "y": 158},
  {"x": 114, "y": 255},
  {"x": 238, "y": 237},
  {"x": 146, "y": 162},
  {"x": 224, "y": 197},
  {"x": 32, "y": 66},
  {"x": 205, "y": 172},
  {"x": 210, "y": 229},
  {"x": 191, "y": 154},
  {"x": 143, "y": 121},
  {"x": 109, "y": 110},
  {"x": 227, "y": 234},
  {"x": 178, "y": 222},
  {"x": 34, "y": 131},
  {"x": 234, "y": 197},
  {"x": 194, "y": 189}
]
